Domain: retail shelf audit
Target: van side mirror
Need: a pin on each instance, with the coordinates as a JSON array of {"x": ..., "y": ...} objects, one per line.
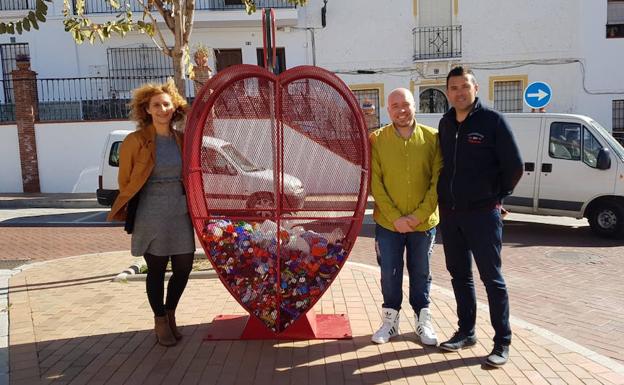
[{"x": 603, "y": 160}]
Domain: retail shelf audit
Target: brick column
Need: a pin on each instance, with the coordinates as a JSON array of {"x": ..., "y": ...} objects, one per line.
[{"x": 25, "y": 92}]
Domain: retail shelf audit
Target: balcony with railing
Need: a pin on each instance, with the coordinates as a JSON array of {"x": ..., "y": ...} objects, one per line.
[
  {"x": 103, "y": 6},
  {"x": 443, "y": 42},
  {"x": 77, "y": 99}
]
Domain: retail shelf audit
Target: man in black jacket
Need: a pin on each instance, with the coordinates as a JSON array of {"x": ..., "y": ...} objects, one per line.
[{"x": 482, "y": 165}]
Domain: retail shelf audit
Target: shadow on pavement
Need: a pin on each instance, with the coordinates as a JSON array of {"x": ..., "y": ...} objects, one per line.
[
  {"x": 134, "y": 357},
  {"x": 96, "y": 218},
  {"x": 57, "y": 284},
  {"x": 526, "y": 234}
]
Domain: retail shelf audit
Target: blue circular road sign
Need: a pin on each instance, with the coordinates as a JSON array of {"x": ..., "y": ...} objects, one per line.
[{"x": 537, "y": 95}]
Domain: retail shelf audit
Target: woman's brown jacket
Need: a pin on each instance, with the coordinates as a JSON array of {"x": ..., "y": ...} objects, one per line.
[{"x": 137, "y": 156}]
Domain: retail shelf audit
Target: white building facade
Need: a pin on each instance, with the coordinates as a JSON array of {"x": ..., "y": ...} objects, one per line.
[{"x": 576, "y": 46}]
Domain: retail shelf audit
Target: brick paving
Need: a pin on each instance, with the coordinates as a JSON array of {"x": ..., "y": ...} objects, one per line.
[
  {"x": 45, "y": 243},
  {"x": 562, "y": 279},
  {"x": 70, "y": 324}
]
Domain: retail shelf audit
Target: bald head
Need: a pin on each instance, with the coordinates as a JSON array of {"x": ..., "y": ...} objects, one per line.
[
  {"x": 401, "y": 94},
  {"x": 401, "y": 108}
]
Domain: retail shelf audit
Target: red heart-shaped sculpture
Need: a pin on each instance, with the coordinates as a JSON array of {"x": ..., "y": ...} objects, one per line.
[{"x": 276, "y": 171}]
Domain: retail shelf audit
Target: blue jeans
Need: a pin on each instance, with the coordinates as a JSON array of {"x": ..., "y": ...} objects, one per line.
[
  {"x": 390, "y": 247},
  {"x": 477, "y": 232}
]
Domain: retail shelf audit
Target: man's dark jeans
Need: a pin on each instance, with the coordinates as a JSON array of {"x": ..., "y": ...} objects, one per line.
[
  {"x": 479, "y": 232},
  {"x": 417, "y": 247}
]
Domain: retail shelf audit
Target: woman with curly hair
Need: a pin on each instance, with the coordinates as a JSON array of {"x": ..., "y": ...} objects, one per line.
[{"x": 152, "y": 200}]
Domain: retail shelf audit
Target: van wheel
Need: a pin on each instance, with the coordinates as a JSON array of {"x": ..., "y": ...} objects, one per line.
[
  {"x": 262, "y": 204},
  {"x": 607, "y": 219}
]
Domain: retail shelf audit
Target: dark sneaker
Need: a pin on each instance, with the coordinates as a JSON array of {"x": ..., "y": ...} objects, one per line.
[
  {"x": 458, "y": 341},
  {"x": 499, "y": 356}
]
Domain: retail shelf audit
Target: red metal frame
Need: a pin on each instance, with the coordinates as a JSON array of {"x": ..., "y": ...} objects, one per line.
[{"x": 202, "y": 107}]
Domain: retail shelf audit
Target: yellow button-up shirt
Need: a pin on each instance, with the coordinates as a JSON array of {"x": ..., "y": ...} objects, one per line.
[{"x": 404, "y": 175}]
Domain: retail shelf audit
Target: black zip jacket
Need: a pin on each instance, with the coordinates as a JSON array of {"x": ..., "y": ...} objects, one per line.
[{"x": 482, "y": 162}]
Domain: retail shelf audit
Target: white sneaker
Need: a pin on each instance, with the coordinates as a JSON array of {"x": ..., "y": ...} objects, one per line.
[
  {"x": 424, "y": 328},
  {"x": 389, "y": 328}
]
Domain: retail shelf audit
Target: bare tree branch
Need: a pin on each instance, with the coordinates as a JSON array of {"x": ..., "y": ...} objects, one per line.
[
  {"x": 163, "y": 46},
  {"x": 189, "y": 14},
  {"x": 169, "y": 19}
]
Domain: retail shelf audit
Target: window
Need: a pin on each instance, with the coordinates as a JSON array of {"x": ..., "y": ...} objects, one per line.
[
  {"x": 618, "y": 120},
  {"x": 591, "y": 148},
  {"x": 433, "y": 100},
  {"x": 8, "y": 53},
  {"x": 113, "y": 158},
  {"x": 368, "y": 100},
  {"x": 16, "y": 5},
  {"x": 508, "y": 96},
  {"x": 215, "y": 163},
  {"x": 131, "y": 67},
  {"x": 280, "y": 60},
  {"x": 228, "y": 57},
  {"x": 615, "y": 19},
  {"x": 565, "y": 141}
]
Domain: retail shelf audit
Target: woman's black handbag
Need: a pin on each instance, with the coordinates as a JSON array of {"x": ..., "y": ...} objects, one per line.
[{"x": 133, "y": 204}]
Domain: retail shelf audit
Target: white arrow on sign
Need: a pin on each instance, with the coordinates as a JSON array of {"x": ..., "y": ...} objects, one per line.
[{"x": 539, "y": 95}]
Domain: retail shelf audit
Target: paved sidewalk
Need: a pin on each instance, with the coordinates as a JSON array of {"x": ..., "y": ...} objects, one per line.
[{"x": 70, "y": 324}]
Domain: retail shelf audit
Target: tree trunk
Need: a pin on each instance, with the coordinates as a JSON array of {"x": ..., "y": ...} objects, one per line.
[
  {"x": 178, "y": 47},
  {"x": 178, "y": 71}
]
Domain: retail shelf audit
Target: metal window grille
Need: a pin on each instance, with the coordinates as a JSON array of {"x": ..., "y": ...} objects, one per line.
[
  {"x": 508, "y": 96},
  {"x": 8, "y": 53},
  {"x": 128, "y": 65},
  {"x": 218, "y": 5},
  {"x": 437, "y": 42},
  {"x": 369, "y": 103},
  {"x": 17, "y": 5},
  {"x": 103, "y": 6},
  {"x": 618, "y": 120},
  {"x": 433, "y": 101}
]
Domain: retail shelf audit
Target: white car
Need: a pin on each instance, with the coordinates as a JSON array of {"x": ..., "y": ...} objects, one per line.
[{"x": 231, "y": 181}]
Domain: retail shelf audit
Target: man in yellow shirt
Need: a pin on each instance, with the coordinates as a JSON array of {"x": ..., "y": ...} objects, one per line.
[{"x": 405, "y": 164}]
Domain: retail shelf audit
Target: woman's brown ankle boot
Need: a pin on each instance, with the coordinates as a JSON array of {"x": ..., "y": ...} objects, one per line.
[
  {"x": 172, "y": 324},
  {"x": 163, "y": 331}
]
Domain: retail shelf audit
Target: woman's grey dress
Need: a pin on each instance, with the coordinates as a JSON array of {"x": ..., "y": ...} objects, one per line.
[{"x": 162, "y": 225}]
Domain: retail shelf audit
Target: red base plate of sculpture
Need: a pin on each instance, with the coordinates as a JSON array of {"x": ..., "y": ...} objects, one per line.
[{"x": 310, "y": 327}]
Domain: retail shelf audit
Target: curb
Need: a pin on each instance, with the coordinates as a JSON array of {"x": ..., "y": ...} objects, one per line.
[
  {"x": 19, "y": 203},
  {"x": 194, "y": 275},
  {"x": 131, "y": 274},
  {"x": 131, "y": 271}
]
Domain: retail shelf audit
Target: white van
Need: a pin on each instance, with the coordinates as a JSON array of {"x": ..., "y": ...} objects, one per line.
[
  {"x": 230, "y": 172},
  {"x": 572, "y": 167}
]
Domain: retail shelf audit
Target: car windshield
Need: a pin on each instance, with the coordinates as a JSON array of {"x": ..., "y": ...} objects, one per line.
[
  {"x": 614, "y": 144},
  {"x": 239, "y": 159}
]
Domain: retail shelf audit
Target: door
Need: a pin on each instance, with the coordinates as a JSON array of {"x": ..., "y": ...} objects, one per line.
[
  {"x": 435, "y": 13},
  {"x": 527, "y": 131},
  {"x": 280, "y": 59},
  {"x": 228, "y": 57},
  {"x": 568, "y": 176}
]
